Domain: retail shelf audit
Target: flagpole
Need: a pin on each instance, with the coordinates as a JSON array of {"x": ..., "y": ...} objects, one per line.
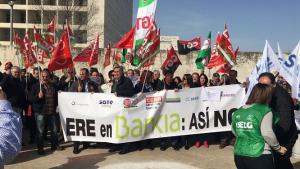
[
  {"x": 18, "y": 57},
  {"x": 26, "y": 81},
  {"x": 54, "y": 33},
  {"x": 145, "y": 77},
  {"x": 35, "y": 49},
  {"x": 71, "y": 50}
]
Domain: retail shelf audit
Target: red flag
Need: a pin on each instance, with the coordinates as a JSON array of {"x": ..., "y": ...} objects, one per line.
[
  {"x": 151, "y": 41},
  {"x": 44, "y": 48},
  {"x": 225, "y": 48},
  {"x": 95, "y": 53},
  {"x": 224, "y": 69},
  {"x": 171, "y": 63},
  {"x": 50, "y": 32},
  {"x": 61, "y": 57},
  {"x": 117, "y": 57},
  {"x": 40, "y": 55},
  {"x": 127, "y": 40},
  {"x": 19, "y": 42},
  {"x": 85, "y": 55},
  {"x": 226, "y": 33},
  {"x": 236, "y": 52},
  {"x": 216, "y": 58},
  {"x": 28, "y": 52},
  {"x": 152, "y": 50},
  {"x": 68, "y": 29},
  {"x": 107, "y": 56},
  {"x": 20, "y": 47}
]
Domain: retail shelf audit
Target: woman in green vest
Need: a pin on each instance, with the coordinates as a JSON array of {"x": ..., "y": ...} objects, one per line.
[{"x": 252, "y": 125}]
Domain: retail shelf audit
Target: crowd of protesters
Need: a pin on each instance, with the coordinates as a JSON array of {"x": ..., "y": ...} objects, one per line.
[{"x": 34, "y": 96}]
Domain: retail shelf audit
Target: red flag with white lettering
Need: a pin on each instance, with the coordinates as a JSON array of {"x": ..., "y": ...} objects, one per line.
[
  {"x": 28, "y": 52},
  {"x": 43, "y": 44},
  {"x": 50, "y": 32},
  {"x": 107, "y": 56},
  {"x": 216, "y": 58},
  {"x": 94, "y": 53},
  {"x": 61, "y": 57},
  {"x": 225, "y": 48},
  {"x": 85, "y": 55}
]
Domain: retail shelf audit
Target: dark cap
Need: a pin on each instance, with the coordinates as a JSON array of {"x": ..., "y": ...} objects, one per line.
[{"x": 216, "y": 75}]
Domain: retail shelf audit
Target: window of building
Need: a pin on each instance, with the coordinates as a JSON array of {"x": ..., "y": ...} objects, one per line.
[
  {"x": 80, "y": 18},
  {"x": 4, "y": 34},
  {"x": 49, "y": 2},
  {"x": 34, "y": 17},
  {"x": 4, "y": 16},
  {"x": 34, "y": 2}
]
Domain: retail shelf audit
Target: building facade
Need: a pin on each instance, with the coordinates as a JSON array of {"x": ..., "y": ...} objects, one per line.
[{"x": 110, "y": 18}]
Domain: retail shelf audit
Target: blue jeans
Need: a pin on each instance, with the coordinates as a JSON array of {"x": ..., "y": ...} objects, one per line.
[{"x": 41, "y": 121}]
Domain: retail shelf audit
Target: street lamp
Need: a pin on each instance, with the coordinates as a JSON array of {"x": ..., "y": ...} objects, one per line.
[{"x": 11, "y": 4}]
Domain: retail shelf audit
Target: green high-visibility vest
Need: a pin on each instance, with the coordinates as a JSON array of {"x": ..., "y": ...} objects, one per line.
[{"x": 246, "y": 124}]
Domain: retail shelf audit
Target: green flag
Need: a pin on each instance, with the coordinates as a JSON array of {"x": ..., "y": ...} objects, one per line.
[
  {"x": 204, "y": 53},
  {"x": 124, "y": 53}
]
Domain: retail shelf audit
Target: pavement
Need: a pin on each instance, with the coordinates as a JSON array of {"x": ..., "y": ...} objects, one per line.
[{"x": 98, "y": 157}]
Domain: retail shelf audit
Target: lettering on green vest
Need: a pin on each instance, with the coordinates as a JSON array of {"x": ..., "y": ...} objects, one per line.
[{"x": 246, "y": 125}]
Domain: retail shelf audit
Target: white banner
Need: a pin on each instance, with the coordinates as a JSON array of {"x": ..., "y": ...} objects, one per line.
[{"x": 98, "y": 117}]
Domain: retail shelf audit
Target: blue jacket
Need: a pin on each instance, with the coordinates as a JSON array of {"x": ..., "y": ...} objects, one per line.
[{"x": 10, "y": 133}]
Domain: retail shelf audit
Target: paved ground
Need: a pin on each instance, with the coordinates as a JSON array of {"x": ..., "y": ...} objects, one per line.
[{"x": 201, "y": 158}]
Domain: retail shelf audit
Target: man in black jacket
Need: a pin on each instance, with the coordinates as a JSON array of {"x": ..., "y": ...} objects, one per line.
[
  {"x": 157, "y": 83},
  {"x": 66, "y": 81},
  {"x": 285, "y": 130},
  {"x": 122, "y": 85},
  {"x": 44, "y": 102},
  {"x": 15, "y": 90},
  {"x": 83, "y": 84}
]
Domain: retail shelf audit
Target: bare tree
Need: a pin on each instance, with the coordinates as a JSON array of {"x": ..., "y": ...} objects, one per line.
[{"x": 76, "y": 12}]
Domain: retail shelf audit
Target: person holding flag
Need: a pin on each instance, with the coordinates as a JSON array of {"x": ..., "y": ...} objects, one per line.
[{"x": 44, "y": 102}]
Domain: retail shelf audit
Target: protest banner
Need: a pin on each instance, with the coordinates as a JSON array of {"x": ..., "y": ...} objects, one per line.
[{"x": 99, "y": 117}]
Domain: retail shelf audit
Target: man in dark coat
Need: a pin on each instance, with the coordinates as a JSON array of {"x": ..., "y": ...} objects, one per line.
[
  {"x": 83, "y": 84},
  {"x": 158, "y": 85},
  {"x": 66, "y": 81},
  {"x": 44, "y": 102},
  {"x": 15, "y": 90},
  {"x": 285, "y": 131},
  {"x": 122, "y": 86}
]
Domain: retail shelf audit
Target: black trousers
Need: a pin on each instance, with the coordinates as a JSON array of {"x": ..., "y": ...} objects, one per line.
[
  {"x": 282, "y": 162},
  {"x": 262, "y": 162}
]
